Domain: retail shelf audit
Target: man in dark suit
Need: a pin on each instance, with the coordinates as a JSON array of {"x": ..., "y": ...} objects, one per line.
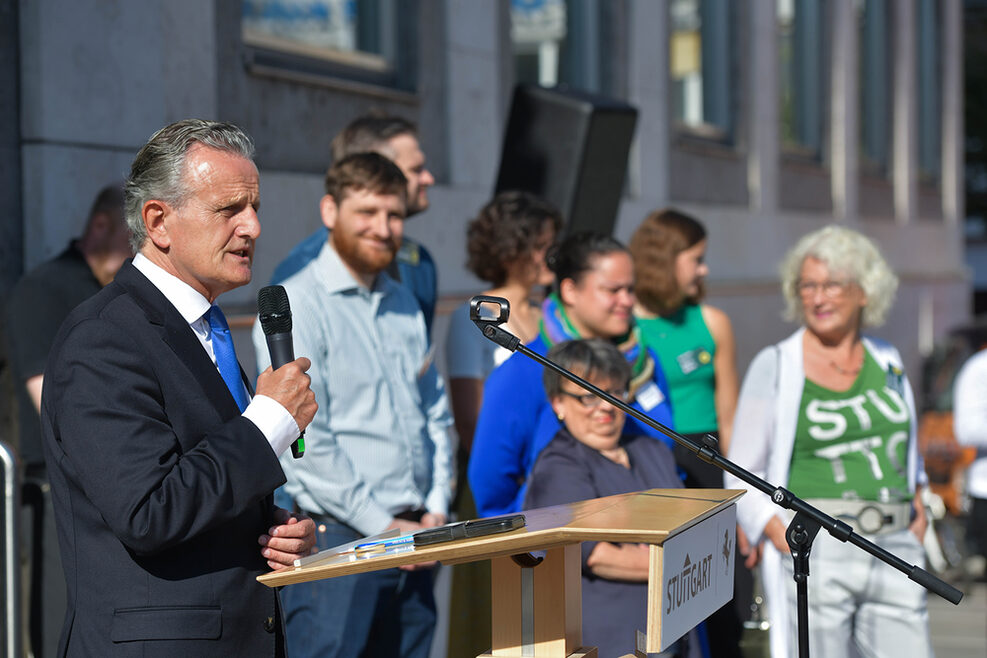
[{"x": 161, "y": 465}]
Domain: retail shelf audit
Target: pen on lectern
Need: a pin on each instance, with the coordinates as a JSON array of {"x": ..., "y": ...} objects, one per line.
[
  {"x": 377, "y": 546},
  {"x": 343, "y": 549}
]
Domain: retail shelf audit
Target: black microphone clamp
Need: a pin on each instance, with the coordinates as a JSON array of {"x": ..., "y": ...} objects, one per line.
[{"x": 490, "y": 325}]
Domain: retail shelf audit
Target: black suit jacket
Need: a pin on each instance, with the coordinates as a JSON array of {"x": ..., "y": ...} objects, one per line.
[{"x": 161, "y": 488}]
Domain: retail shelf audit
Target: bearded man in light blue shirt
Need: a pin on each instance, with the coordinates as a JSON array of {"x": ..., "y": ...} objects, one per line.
[{"x": 378, "y": 453}]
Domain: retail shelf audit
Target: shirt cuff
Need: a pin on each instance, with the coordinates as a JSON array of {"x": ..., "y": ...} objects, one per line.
[
  {"x": 372, "y": 520},
  {"x": 275, "y": 423},
  {"x": 437, "y": 502}
]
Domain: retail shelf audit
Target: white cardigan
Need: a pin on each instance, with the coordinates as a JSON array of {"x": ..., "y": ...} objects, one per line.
[{"x": 762, "y": 441}]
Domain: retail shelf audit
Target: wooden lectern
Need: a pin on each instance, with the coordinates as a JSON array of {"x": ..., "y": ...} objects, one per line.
[{"x": 537, "y": 601}]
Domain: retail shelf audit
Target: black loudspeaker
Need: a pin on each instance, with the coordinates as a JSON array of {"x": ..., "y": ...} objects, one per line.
[{"x": 570, "y": 148}]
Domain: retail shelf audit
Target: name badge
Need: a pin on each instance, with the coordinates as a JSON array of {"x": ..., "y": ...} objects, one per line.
[
  {"x": 895, "y": 380},
  {"x": 650, "y": 396},
  {"x": 408, "y": 253},
  {"x": 693, "y": 360}
]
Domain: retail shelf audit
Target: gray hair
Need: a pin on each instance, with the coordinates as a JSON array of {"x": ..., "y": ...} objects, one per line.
[
  {"x": 158, "y": 171},
  {"x": 846, "y": 252},
  {"x": 590, "y": 359}
]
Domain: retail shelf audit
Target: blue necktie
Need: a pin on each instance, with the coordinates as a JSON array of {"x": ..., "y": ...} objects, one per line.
[{"x": 222, "y": 347}]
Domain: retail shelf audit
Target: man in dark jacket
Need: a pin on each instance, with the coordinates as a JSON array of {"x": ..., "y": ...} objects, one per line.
[{"x": 162, "y": 466}]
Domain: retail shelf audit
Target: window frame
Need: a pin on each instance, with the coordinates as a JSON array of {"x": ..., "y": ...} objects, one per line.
[
  {"x": 875, "y": 57},
  {"x": 393, "y": 76},
  {"x": 588, "y": 57},
  {"x": 928, "y": 89},
  {"x": 719, "y": 49},
  {"x": 811, "y": 37}
]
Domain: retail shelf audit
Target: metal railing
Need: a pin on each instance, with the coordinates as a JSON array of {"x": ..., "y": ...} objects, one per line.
[{"x": 11, "y": 550}]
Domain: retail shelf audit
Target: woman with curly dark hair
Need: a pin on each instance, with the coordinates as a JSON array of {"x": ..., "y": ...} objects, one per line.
[{"x": 506, "y": 243}]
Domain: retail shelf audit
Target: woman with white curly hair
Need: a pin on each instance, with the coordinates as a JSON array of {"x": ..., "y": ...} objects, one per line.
[{"x": 829, "y": 414}]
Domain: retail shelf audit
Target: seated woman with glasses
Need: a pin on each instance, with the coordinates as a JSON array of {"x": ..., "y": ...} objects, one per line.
[
  {"x": 829, "y": 414},
  {"x": 591, "y": 457}
]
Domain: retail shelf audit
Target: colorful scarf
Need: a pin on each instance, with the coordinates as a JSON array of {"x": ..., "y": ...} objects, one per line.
[{"x": 555, "y": 327}]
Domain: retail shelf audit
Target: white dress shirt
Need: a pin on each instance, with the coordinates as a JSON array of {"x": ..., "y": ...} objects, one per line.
[{"x": 270, "y": 417}]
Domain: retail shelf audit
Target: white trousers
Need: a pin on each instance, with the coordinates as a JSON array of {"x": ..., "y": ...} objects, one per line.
[{"x": 860, "y": 607}]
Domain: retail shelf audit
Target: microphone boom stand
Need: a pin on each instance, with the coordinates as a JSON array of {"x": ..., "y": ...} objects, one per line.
[{"x": 802, "y": 529}]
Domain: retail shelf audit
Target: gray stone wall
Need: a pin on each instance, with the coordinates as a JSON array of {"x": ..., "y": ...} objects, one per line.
[{"x": 98, "y": 77}]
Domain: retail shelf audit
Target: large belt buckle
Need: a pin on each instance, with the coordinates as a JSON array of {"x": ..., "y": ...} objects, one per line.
[{"x": 871, "y": 519}]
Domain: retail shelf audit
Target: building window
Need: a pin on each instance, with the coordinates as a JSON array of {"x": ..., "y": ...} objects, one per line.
[
  {"x": 975, "y": 121},
  {"x": 801, "y": 75},
  {"x": 928, "y": 87},
  {"x": 559, "y": 42},
  {"x": 874, "y": 85},
  {"x": 356, "y": 39},
  {"x": 538, "y": 28},
  {"x": 700, "y": 57}
]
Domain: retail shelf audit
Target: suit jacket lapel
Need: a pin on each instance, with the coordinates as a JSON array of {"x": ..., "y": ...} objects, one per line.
[{"x": 177, "y": 334}]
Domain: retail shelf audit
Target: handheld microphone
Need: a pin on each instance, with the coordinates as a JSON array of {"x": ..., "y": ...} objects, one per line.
[{"x": 275, "y": 320}]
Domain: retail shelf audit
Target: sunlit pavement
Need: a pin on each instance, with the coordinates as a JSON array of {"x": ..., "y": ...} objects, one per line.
[{"x": 960, "y": 631}]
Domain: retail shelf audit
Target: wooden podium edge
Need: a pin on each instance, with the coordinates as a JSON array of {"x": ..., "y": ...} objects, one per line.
[{"x": 518, "y": 541}]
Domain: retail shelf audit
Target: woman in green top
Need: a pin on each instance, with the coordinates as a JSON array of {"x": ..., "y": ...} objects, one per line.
[
  {"x": 829, "y": 414},
  {"x": 694, "y": 341},
  {"x": 695, "y": 347}
]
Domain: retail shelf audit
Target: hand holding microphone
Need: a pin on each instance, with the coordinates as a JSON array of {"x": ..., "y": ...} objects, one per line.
[{"x": 286, "y": 380}]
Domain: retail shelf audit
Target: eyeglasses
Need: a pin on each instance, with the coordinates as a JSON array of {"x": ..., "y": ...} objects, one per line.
[
  {"x": 830, "y": 289},
  {"x": 590, "y": 401}
]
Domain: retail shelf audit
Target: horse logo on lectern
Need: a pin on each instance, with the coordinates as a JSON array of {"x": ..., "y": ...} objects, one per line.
[{"x": 727, "y": 550}]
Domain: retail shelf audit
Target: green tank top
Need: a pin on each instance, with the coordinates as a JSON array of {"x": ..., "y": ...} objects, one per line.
[
  {"x": 685, "y": 351},
  {"x": 853, "y": 444}
]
